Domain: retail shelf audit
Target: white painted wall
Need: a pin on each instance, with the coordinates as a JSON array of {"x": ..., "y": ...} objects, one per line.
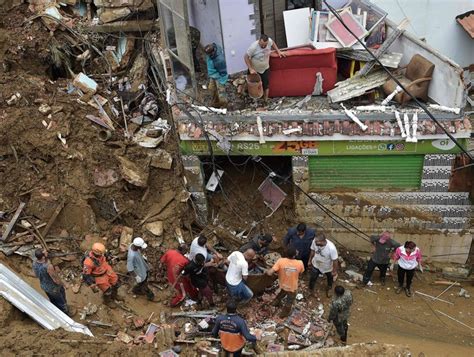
[
  {"x": 435, "y": 21},
  {"x": 236, "y": 32},
  {"x": 204, "y": 15}
]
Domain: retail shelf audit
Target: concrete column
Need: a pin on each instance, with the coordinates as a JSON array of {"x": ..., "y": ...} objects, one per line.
[
  {"x": 301, "y": 178},
  {"x": 195, "y": 182}
]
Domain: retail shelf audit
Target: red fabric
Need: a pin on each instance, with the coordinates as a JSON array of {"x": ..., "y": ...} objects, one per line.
[
  {"x": 295, "y": 75},
  {"x": 183, "y": 288},
  {"x": 175, "y": 262}
]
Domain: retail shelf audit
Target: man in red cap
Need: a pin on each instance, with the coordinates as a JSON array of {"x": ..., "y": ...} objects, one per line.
[{"x": 384, "y": 245}]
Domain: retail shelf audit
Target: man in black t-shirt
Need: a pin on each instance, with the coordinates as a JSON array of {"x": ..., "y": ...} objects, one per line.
[{"x": 197, "y": 272}]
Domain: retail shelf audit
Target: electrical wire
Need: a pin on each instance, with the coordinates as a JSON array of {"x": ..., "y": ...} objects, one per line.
[
  {"x": 421, "y": 105},
  {"x": 331, "y": 214}
]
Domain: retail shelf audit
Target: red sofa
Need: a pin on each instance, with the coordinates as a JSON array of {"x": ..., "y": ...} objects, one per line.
[{"x": 295, "y": 75}]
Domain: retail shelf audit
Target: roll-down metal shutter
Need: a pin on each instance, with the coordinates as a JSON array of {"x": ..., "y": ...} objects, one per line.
[{"x": 365, "y": 172}]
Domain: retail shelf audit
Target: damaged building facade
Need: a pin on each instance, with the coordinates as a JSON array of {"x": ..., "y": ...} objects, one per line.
[{"x": 380, "y": 165}]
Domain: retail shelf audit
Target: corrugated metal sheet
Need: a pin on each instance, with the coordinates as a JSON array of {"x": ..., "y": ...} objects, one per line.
[
  {"x": 466, "y": 20},
  {"x": 28, "y": 300},
  {"x": 365, "y": 172}
]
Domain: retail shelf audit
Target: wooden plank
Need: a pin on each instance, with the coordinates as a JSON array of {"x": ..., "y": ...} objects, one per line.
[
  {"x": 126, "y": 26},
  {"x": 356, "y": 86},
  {"x": 13, "y": 221},
  {"x": 53, "y": 218}
]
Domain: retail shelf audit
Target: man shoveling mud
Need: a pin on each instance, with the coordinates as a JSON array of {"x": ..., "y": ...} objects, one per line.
[{"x": 98, "y": 274}]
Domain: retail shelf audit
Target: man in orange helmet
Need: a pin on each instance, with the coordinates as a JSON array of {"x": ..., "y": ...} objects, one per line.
[{"x": 98, "y": 274}]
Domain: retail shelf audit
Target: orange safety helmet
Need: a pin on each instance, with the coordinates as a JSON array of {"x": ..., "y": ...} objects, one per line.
[{"x": 98, "y": 248}]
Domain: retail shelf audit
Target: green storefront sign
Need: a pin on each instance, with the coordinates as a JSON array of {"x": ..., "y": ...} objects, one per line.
[{"x": 325, "y": 148}]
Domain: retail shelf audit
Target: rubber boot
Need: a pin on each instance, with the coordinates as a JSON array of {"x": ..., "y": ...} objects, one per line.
[
  {"x": 108, "y": 300},
  {"x": 115, "y": 295}
]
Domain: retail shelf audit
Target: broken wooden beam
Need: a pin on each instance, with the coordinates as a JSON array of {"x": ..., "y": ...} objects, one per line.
[
  {"x": 126, "y": 26},
  {"x": 384, "y": 48},
  {"x": 55, "y": 214},
  {"x": 13, "y": 221},
  {"x": 356, "y": 86}
]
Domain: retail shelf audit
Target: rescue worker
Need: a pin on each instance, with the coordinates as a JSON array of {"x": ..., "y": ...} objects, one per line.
[
  {"x": 339, "y": 311},
  {"x": 138, "y": 268},
  {"x": 323, "y": 260},
  {"x": 260, "y": 245},
  {"x": 383, "y": 245},
  {"x": 98, "y": 274},
  {"x": 217, "y": 72},
  {"x": 237, "y": 274},
  {"x": 289, "y": 269},
  {"x": 409, "y": 258},
  {"x": 300, "y": 237},
  {"x": 232, "y": 331},
  {"x": 197, "y": 272},
  {"x": 175, "y": 261},
  {"x": 199, "y": 246},
  {"x": 50, "y": 281}
]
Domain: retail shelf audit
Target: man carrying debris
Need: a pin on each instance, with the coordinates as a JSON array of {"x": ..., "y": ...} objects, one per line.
[
  {"x": 232, "y": 331},
  {"x": 197, "y": 272},
  {"x": 257, "y": 60},
  {"x": 217, "y": 72},
  {"x": 289, "y": 270},
  {"x": 199, "y": 246},
  {"x": 237, "y": 273},
  {"x": 50, "y": 281},
  {"x": 138, "y": 268},
  {"x": 384, "y": 245},
  {"x": 259, "y": 244},
  {"x": 175, "y": 261},
  {"x": 301, "y": 238},
  {"x": 339, "y": 311},
  {"x": 323, "y": 261},
  {"x": 98, "y": 274}
]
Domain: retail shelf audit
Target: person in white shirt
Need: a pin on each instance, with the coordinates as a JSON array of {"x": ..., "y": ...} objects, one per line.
[
  {"x": 199, "y": 246},
  {"x": 237, "y": 273},
  {"x": 257, "y": 60},
  {"x": 323, "y": 258}
]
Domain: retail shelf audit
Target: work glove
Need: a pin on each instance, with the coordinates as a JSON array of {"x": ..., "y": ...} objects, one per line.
[
  {"x": 421, "y": 268},
  {"x": 138, "y": 279}
]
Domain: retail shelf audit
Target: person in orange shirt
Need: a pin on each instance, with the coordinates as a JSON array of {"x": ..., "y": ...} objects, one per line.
[
  {"x": 98, "y": 274},
  {"x": 289, "y": 270}
]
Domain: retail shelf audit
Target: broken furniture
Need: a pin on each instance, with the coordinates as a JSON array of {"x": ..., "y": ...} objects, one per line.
[
  {"x": 295, "y": 74},
  {"x": 28, "y": 300},
  {"x": 416, "y": 80}
]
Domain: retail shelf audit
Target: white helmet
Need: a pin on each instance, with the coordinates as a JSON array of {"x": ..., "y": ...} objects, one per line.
[{"x": 139, "y": 242}]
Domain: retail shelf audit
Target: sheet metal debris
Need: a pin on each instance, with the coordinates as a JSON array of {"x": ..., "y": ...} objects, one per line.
[{"x": 24, "y": 297}]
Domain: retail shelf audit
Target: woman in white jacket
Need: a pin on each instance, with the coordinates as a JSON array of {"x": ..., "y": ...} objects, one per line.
[{"x": 408, "y": 257}]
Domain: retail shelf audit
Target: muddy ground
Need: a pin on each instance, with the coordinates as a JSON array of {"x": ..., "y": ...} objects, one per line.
[{"x": 36, "y": 168}]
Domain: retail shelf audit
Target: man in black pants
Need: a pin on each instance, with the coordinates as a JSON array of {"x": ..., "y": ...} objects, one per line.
[
  {"x": 323, "y": 260},
  {"x": 384, "y": 245}
]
